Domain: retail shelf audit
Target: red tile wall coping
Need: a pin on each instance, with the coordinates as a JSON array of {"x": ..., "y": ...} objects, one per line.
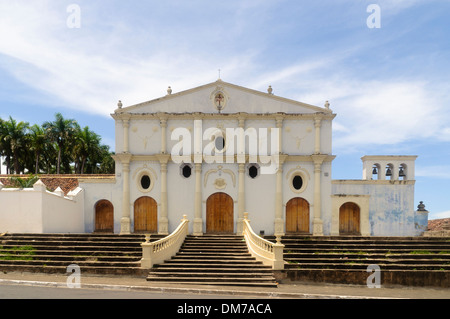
[
  {"x": 66, "y": 182},
  {"x": 437, "y": 224}
]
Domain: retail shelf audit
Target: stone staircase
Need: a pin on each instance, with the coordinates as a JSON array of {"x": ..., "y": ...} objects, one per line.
[
  {"x": 214, "y": 260},
  {"x": 51, "y": 253},
  {"x": 344, "y": 259}
]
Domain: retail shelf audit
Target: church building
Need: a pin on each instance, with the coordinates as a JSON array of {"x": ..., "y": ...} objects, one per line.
[{"x": 219, "y": 150}]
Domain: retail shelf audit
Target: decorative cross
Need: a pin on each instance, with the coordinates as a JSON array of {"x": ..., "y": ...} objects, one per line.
[{"x": 219, "y": 98}]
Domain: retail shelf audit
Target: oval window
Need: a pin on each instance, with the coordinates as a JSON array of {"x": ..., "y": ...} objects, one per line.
[
  {"x": 187, "y": 171},
  {"x": 297, "y": 182},
  {"x": 253, "y": 171},
  {"x": 219, "y": 143},
  {"x": 145, "y": 181}
]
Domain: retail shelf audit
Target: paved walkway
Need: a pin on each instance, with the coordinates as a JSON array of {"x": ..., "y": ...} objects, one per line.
[{"x": 291, "y": 290}]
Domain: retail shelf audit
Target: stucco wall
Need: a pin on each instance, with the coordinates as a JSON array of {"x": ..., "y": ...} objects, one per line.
[
  {"x": 95, "y": 190},
  {"x": 35, "y": 210},
  {"x": 391, "y": 205}
]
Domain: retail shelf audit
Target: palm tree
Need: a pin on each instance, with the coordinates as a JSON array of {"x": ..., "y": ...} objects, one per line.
[
  {"x": 2, "y": 143},
  {"x": 61, "y": 131},
  {"x": 37, "y": 139},
  {"x": 87, "y": 146},
  {"x": 107, "y": 164},
  {"x": 16, "y": 137}
]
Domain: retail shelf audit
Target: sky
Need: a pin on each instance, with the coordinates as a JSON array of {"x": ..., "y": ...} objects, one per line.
[{"x": 383, "y": 65}]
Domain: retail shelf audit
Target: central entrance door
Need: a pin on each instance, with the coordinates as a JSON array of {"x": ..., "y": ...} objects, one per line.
[
  {"x": 145, "y": 215},
  {"x": 297, "y": 215},
  {"x": 219, "y": 213}
]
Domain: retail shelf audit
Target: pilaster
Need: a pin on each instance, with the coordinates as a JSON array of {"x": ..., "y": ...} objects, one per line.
[
  {"x": 317, "y": 221},
  {"x": 198, "y": 221},
  {"x": 163, "y": 221}
]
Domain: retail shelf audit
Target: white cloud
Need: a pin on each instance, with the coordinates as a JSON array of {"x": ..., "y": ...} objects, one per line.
[
  {"x": 439, "y": 215},
  {"x": 435, "y": 171},
  {"x": 90, "y": 68}
]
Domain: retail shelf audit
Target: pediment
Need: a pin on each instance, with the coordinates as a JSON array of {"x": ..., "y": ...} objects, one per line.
[{"x": 221, "y": 97}]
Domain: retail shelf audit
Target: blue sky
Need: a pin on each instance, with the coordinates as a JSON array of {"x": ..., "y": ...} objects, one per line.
[{"x": 389, "y": 86}]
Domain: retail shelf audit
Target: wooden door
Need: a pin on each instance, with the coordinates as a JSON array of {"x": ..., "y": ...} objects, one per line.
[
  {"x": 349, "y": 219},
  {"x": 219, "y": 213},
  {"x": 145, "y": 215},
  {"x": 297, "y": 215},
  {"x": 104, "y": 216}
]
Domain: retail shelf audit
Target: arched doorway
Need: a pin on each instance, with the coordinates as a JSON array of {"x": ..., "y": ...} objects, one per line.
[
  {"x": 219, "y": 213},
  {"x": 349, "y": 219},
  {"x": 145, "y": 215},
  {"x": 104, "y": 216},
  {"x": 297, "y": 215}
]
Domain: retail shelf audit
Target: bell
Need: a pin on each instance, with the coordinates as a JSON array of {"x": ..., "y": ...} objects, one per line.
[
  {"x": 388, "y": 172},
  {"x": 374, "y": 171},
  {"x": 401, "y": 173}
]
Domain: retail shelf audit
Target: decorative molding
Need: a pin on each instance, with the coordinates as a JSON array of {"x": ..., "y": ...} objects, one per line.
[
  {"x": 220, "y": 183},
  {"x": 220, "y": 170}
]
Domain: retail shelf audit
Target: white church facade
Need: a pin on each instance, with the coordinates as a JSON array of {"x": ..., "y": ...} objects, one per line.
[{"x": 220, "y": 150}]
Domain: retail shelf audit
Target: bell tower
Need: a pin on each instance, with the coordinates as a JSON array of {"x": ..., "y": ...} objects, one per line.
[{"x": 388, "y": 167}]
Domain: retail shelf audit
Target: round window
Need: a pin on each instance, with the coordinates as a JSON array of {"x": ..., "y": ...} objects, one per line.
[
  {"x": 186, "y": 171},
  {"x": 253, "y": 171},
  {"x": 297, "y": 182},
  {"x": 145, "y": 182}
]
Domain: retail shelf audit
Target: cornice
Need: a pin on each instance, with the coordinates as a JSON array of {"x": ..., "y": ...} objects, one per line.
[
  {"x": 223, "y": 116},
  {"x": 233, "y": 159},
  {"x": 224, "y": 84},
  {"x": 371, "y": 182}
]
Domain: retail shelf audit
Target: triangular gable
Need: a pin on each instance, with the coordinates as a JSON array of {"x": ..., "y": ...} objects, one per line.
[{"x": 235, "y": 98}]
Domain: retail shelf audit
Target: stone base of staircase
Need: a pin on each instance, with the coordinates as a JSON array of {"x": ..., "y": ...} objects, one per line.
[
  {"x": 214, "y": 260},
  {"x": 405, "y": 261},
  {"x": 103, "y": 254}
]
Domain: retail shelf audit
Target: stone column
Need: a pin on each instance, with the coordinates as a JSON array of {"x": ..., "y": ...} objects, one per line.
[
  {"x": 163, "y": 221},
  {"x": 163, "y": 124},
  {"x": 198, "y": 221},
  {"x": 279, "y": 121},
  {"x": 241, "y": 199},
  {"x": 279, "y": 221},
  {"x": 125, "y": 222},
  {"x": 241, "y": 179},
  {"x": 317, "y": 221},
  {"x": 317, "y": 125},
  {"x": 126, "y": 125}
]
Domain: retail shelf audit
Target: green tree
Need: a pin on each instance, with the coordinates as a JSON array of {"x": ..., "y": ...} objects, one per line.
[
  {"x": 61, "y": 131},
  {"x": 37, "y": 139},
  {"x": 3, "y": 146},
  {"x": 16, "y": 139},
  {"x": 87, "y": 147}
]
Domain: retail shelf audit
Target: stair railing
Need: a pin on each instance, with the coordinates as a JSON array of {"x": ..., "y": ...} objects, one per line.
[
  {"x": 158, "y": 251},
  {"x": 263, "y": 250}
]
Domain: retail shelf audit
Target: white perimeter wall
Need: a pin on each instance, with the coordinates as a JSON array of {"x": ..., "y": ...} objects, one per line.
[{"x": 40, "y": 211}]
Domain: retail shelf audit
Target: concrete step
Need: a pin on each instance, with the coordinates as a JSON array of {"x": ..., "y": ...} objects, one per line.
[
  {"x": 242, "y": 266},
  {"x": 217, "y": 281},
  {"x": 94, "y": 253},
  {"x": 214, "y": 260},
  {"x": 212, "y": 269}
]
